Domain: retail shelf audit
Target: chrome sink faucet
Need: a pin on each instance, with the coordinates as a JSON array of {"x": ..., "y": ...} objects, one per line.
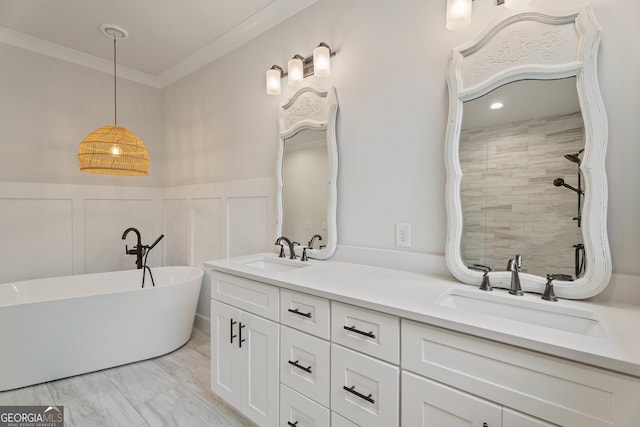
[
  {"x": 292, "y": 251},
  {"x": 514, "y": 265}
]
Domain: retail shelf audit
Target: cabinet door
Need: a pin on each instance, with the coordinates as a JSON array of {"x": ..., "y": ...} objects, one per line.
[
  {"x": 258, "y": 345},
  {"x": 225, "y": 363},
  {"x": 511, "y": 418},
  {"x": 427, "y": 403}
]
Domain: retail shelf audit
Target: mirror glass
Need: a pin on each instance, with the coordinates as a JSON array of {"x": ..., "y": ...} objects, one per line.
[
  {"x": 529, "y": 178},
  {"x": 516, "y": 142},
  {"x": 307, "y": 171}
]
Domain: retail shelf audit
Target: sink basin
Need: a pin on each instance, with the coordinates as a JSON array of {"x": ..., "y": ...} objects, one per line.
[
  {"x": 273, "y": 265},
  {"x": 518, "y": 309}
]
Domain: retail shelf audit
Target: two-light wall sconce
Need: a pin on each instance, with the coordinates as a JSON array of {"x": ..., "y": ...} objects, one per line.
[
  {"x": 299, "y": 67},
  {"x": 459, "y": 11}
]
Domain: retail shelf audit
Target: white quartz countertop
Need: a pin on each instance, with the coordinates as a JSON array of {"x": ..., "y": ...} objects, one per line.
[{"x": 419, "y": 297}]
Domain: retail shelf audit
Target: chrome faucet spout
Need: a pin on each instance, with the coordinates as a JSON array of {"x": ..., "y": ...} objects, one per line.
[
  {"x": 313, "y": 239},
  {"x": 514, "y": 265},
  {"x": 292, "y": 251}
]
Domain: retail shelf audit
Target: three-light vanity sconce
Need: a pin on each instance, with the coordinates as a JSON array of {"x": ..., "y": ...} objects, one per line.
[
  {"x": 459, "y": 11},
  {"x": 299, "y": 67}
]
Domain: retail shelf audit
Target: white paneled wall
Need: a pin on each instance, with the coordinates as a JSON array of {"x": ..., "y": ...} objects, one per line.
[
  {"x": 204, "y": 222},
  {"x": 61, "y": 229}
]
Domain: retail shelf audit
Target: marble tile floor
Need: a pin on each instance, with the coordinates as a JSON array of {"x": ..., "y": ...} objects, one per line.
[{"x": 171, "y": 390}]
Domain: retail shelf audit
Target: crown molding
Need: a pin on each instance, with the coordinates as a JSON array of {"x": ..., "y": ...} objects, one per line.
[{"x": 265, "y": 19}]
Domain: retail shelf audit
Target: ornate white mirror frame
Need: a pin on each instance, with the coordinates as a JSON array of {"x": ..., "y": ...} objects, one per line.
[
  {"x": 535, "y": 45},
  {"x": 311, "y": 108}
]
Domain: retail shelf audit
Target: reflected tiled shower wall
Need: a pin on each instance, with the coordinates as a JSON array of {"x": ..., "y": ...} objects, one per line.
[{"x": 510, "y": 205}]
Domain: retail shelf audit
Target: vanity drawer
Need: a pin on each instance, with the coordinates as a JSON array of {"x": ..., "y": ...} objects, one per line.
[
  {"x": 297, "y": 410},
  {"x": 340, "y": 421},
  {"x": 304, "y": 364},
  {"x": 368, "y": 331},
  {"x": 305, "y": 312},
  {"x": 249, "y": 295},
  {"x": 556, "y": 390},
  {"x": 363, "y": 389}
]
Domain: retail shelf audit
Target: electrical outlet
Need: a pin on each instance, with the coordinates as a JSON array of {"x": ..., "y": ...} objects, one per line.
[{"x": 403, "y": 235}]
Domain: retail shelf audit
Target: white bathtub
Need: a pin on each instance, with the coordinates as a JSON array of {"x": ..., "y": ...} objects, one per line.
[{"x": 60, "y": 327}]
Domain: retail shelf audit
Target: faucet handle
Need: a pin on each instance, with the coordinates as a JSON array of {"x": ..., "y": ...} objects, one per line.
[
  {"x": 485, "y": 285},
  {"x": 304, "y": 256},
  {"x": 282, "y": 254},
  {"x": 549, "y": 295}
]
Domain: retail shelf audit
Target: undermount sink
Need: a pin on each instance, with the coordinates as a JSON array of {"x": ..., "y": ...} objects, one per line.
[
  {"x": 273, "y": 265},
  {"x": 517, "y": 309}
]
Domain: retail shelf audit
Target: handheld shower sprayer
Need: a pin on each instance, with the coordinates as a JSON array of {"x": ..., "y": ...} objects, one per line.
[{"x": 559, "y": 182}]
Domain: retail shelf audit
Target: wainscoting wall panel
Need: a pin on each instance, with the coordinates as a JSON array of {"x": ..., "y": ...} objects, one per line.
[
  {"x": 37, "y": 239},
  {"x": 54, "y": 230},
  {"x": 211, "y": 221},
  {"x": 177, "y": 229}
]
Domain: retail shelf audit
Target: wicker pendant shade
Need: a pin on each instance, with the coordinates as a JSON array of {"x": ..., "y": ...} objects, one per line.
[{"x": 113, "y": 150}]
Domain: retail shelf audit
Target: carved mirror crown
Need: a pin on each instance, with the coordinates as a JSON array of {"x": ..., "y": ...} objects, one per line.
[{"x": 533, "y": 185}]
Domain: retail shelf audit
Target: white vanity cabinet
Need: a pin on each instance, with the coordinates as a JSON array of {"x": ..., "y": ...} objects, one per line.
[
  {"x": 245, "y": 346},
  {"x": 305, "y": 360},
  {"x": 365, "y": 376},
  {"x": 494, "y": 381}
]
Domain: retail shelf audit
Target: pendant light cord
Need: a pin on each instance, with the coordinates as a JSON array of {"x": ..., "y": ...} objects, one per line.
[{"x": 115, "y": 85}]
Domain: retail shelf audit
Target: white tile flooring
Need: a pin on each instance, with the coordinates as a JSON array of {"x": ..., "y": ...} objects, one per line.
[{"x": 171, "y": 390}]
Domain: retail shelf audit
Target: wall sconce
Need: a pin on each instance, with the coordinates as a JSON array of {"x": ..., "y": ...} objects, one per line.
[
  {"x": 459, "y": 11},
  {"x": 299, "y": 67}
]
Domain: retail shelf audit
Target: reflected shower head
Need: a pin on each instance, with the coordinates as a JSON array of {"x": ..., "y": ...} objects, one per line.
[{"x": 574, "y": 157}]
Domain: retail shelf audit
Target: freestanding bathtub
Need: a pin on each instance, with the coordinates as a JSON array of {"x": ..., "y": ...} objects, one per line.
[{"x": 60, "y": 327}]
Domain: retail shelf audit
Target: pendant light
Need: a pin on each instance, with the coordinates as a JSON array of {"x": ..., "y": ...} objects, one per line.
[{"x": 113, "y": 150}]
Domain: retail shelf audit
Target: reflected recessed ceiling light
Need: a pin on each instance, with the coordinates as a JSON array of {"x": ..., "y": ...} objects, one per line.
[{"x": 496, "y": 105}]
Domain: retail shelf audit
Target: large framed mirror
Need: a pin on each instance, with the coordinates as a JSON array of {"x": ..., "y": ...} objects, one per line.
[
  {"x": 307, "y": 171},
  {"x": 528, "y": 178}
]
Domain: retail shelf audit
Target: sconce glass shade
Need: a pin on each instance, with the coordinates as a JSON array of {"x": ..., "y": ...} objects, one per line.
[
  {"x": 113, "y": 150},
  {"x": 322, "y": 60},
  {"x": 458, "y": 14},
  {"x": 295, "y": 68},
  {"x": 516, "y": 4},
  {"x": 274, "y": 75}
]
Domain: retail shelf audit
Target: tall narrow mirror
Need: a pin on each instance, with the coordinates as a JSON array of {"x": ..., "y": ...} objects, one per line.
[
  {"x": 307, "y": 171},
  {"x": 526, "y": 143}
]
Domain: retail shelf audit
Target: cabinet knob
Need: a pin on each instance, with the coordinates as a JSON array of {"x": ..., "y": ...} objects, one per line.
[{"x": 485, "y": 425}]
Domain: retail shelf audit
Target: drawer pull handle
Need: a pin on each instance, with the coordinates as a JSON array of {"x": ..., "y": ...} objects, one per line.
[
  {"x": 360, "y": 395},
  {"x": 231, "y": 323},
  {"x": 240, "y": 332},
  {"x": 296, "y": 311},
  {"x": 292, "y": 424},
  {"x": 369, "y": 334},
  {"x": 297, "y": 365}
]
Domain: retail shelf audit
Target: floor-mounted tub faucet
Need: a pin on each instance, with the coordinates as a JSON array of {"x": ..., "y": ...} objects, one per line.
[
  {"x": 137, "y": 250},
  {"x": 514, "y": 265}
]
